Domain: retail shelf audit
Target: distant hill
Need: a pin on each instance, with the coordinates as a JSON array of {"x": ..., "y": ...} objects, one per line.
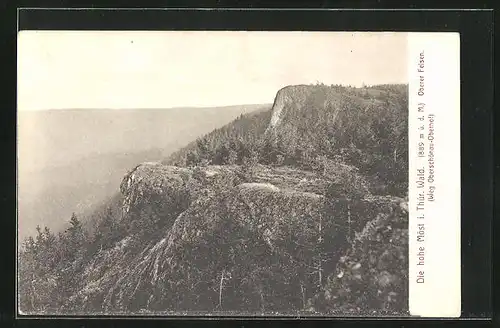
[
  {"x": 72, "y": 160},
  {"x": 300, "y": 209}
]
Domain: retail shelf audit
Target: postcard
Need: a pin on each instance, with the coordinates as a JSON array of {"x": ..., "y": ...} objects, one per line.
[{"x": 238, "y": 174}]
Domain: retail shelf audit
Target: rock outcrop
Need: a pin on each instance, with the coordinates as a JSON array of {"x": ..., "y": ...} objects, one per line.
[
  {"x": 363, "y": 127},
  {"x": 154, "y": 184},
  {"x": 292, "y": 95},
  {"x": 371, "y": 278},
  {"x": 262, "y": 245},
  {"x": 294, "y": 99},
  {"x": 155, "y": 180}
]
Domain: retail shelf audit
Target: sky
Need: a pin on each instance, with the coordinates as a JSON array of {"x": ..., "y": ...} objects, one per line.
[{"x": 147, "y": 69}]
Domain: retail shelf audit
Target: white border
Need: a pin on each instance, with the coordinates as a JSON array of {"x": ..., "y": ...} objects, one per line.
[{"x": 434, "y": 229}]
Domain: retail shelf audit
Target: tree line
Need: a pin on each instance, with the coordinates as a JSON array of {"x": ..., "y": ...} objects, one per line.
[
  {"x": 50, "y": 265},
  {"x": 363, "y": 127}
]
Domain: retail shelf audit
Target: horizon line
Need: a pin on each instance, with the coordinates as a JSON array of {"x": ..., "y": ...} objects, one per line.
[
  {"x": 359, "y": 86},
  {"x": 140, "y": 108}
]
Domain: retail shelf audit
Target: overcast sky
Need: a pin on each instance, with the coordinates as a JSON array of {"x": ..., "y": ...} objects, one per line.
[{"x": 92, "y": 69}]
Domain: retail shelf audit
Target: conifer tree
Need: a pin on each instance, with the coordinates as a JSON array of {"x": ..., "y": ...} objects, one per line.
[
  {"x": 39, "y": 236},
  {"x": 106, "y": 231},
  {"x": 76, "y": 233},
  {"x": 48, "y": 254},
  {"x": 74, "y": 244}
]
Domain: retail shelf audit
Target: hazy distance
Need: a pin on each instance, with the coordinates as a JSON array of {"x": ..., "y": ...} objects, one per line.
[{"x": 73, "y": 160}]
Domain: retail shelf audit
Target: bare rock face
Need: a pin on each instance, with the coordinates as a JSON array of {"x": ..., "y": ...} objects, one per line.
[
  {"x": 153, "y": 179},
  {"x": 290, "y": 95},
  {"x": 295, "y": 101},
  {"x": 237, "y": 245},
  {"x": 161, "y": 192},
  {"x": 157, "y": 185}
]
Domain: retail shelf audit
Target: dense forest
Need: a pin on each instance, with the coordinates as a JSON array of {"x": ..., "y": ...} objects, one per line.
[
  {"x": 378, "y": 145},
  {"x": 337, "y": 154}
]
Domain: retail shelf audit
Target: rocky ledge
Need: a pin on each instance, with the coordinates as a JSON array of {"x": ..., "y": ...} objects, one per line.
[{"x": 266, "y": 241}]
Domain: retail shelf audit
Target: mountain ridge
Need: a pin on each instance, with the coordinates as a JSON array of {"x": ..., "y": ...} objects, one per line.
[
  {"x": 139, "y": 109},
  {"x": 310, "y": 219}
]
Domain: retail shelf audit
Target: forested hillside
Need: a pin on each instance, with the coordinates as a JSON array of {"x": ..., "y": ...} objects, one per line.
[
  {"x": 299, "y": 209},
  {"x": 365, "y": 127}
]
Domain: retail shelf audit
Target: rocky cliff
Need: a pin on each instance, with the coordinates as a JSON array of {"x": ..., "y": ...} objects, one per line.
[
  {"x": 269, "y": 244},
  {"x": 265, "y": 237},
  {"x": 292, "y": 95}
]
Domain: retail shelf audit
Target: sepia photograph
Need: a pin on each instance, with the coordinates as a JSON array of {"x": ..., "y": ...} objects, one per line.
[{"x": 215, "y": 173}]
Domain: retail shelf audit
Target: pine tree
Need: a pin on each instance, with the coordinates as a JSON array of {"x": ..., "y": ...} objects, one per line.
[
  {"x": 74, "y": 244},
  {"x": 75, "y": 233},
  {"x": 37, "y": 261},
  {"x": 192, "y": 158},
  {"x": 39, "y": 255},
  {"x": 48, "y": 254},
  {"x": 232, "y": 157},
  {"x": 204, "y": 151},
  {"x": 26, "y": 276},
  {"x": 39, "y": 236},
  {"x": 29, "y": 245},
  {"x": 221, "y": 155},
  {"x": 49, "y": 237},
  {"x": 106, "y": 232}
]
